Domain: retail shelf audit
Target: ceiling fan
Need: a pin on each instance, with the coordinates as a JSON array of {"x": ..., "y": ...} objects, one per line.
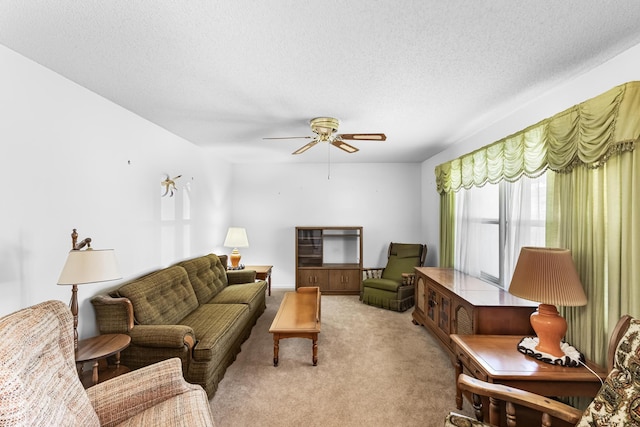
[{"x": 325, "y": 129}]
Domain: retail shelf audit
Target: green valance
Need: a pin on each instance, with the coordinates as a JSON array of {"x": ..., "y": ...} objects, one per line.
[{"x": 586, "y": 134}]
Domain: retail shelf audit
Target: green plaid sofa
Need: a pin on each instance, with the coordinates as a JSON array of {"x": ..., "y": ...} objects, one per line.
[{"x": 195, "y": 310}]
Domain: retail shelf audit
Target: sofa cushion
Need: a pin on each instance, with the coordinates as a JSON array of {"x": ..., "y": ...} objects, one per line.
[
  {"x": 216, "y": 327},
  {"x": 163, "y": 297},
  {"x": 39, "y": 382},
  {"x": 207, "y": 276},
  {"x": 245, "y": 293}
]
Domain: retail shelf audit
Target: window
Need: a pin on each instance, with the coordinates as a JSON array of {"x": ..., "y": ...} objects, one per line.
[{"x": 493, "y": 222}]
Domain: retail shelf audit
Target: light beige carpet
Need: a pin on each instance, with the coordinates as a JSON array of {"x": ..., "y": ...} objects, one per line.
[{"x": 375, "y": 368}]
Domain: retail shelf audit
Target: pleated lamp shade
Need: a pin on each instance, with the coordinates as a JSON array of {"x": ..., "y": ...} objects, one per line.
[{"x": 547, "y": 276}]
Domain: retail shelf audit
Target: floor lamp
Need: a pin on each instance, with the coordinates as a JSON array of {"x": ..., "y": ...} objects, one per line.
[{"x": 86, "y": 266}]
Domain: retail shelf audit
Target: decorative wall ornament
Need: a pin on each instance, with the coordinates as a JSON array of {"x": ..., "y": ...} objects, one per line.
[{"x": 169, "y": 185}]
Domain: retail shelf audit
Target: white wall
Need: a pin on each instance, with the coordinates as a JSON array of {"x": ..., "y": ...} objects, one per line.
[
  {"x": 271, "y": 200},
  {"x": 71, "y": 159},
  {"x": 621, "y": 69}
]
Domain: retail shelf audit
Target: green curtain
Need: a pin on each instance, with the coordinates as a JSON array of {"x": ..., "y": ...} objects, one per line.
[
  {"x": 596, "y": 216},
  {"x": 447, "y": 229},
  {"x": 590, "y": 205},
  {"x": 585, "y": 134}
]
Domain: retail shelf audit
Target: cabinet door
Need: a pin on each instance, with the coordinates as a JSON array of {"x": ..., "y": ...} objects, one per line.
[
  {"x": 444, "y": 315},
  {"x": 432, "y": 305},
  {"x": 344, "y": 280},
  {"x": 313, "y": 277}
]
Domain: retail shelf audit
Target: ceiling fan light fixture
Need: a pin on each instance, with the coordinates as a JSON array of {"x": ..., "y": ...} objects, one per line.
[{"x": 324, "y": 125}]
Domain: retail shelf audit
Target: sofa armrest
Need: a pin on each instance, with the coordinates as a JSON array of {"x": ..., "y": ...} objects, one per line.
[
  {"x": 236, "y": 277},
  {"x": 163, "y": 336},
  {"x": 122, "y": 397},
  {"x": 114, "y": 315}
]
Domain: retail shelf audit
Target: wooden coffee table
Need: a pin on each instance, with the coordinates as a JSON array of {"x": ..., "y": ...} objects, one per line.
[{"x": 297, "y": 317}]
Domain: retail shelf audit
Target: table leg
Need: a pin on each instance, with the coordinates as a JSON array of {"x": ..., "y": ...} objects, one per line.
[
  {"x": 315, "y": 349},
  {"x": 276, "y": 348},
  {"x": 94, "y": 377},
  {"x": 458, "y": 391},
  {"x": 117, "y": 360}
]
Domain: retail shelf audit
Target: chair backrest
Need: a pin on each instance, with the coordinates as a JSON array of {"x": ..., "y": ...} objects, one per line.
[
  {"x": 618, "y": 398},
  {"x": 403, "y": 257},
  {"x": 39, "y": 384}
]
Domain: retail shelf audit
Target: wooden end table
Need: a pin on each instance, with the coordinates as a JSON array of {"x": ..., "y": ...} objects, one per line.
[
  {"x": 96, "y": 350},
  {"x": 297, "y": 317},
  {"x": 263, "y": 272},
  {"x": 496, "y": 359}
]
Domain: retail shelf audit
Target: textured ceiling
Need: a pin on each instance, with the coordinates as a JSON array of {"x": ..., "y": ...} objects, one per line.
[{"x": 225, "y": 74}]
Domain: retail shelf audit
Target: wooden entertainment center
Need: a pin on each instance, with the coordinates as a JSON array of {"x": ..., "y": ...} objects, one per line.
[
  {"x": 451, "y": 302},
  {"x": 329, "y": 258}
]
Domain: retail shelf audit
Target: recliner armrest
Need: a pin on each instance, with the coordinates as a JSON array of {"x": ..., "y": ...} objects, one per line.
[
  {"x": 408, "y": 279},
  {"x": 372, "y": 273},
  {"x": 122, "y": 397}
]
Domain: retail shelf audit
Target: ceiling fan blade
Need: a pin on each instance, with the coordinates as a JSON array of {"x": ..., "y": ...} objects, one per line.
[
  {"x": 291, "y": 137},
  {"x": 305, "y": 147},
  {"x": 344, "y": 146},
  {"x": 364, "y": 136}
]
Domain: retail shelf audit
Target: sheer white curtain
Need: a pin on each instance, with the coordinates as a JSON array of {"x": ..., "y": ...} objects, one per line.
[
  {"x": 476, "y": 236},
  {"x": 518, "y": 209},
  {"x": 525, "y": 219}
]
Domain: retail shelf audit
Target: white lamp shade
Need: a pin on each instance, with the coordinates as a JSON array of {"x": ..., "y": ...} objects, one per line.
[
  {"x": 89, "y": 266},
  {"x": 236, "y": 238}
]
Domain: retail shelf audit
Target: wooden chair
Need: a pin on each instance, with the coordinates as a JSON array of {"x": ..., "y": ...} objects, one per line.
[
  {"x": 392, "y": 287},
  {"x": 616, "y": 404}
]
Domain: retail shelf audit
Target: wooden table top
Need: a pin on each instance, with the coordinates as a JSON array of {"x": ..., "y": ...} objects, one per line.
[
  {"x": 499, "y": 357},
  {"x": 264, "y": 269},
  {"x": 101, "y": 346},
  {"x": 298, "y": 312}
]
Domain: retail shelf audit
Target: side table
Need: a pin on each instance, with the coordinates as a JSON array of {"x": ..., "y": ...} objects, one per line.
[
  {"x": 263, "y": 272},
  {"x": 496, "y": 359},
  {"x": 96, "y": 350}
]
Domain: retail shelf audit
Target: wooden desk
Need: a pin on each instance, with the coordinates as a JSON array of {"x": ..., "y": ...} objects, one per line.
[
  {"x": 495, "y": 359},
  {"x": 297, "y": 317},
  {"x": 263, "y": 272},
  {"x": 97, "y": 349}
]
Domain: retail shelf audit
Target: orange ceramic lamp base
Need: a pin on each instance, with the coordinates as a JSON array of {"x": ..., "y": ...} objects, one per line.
[
  {"x": 235, "y": 258},
  {"x": 550, "y": 328}
]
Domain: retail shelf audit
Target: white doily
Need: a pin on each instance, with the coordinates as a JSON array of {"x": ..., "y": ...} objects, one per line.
[{"x": 572, "y": 357}]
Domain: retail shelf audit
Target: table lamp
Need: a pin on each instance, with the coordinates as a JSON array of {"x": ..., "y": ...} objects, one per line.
[
  {"x": 548, "y": 276},
  {"x": 86, "y": 266},
  {"x": 236, "y": 238}
]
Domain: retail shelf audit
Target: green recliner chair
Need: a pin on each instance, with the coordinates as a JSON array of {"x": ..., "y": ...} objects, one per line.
[{"x": 392, "y": 287}]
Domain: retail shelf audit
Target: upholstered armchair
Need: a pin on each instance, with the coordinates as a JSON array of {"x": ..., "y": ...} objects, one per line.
[
  {"x": 39, "y": 383},
  {"x": 392, "y": 287},
  {"x": 616, "y": 404}
]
